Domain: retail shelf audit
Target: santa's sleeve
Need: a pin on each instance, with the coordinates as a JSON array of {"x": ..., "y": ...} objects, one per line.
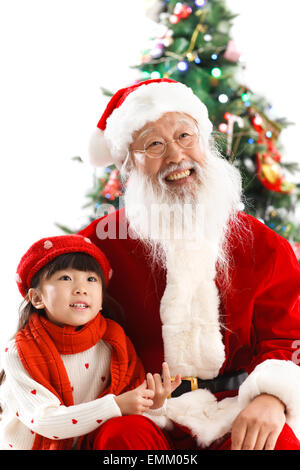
[{"x": 276, "y": 325}]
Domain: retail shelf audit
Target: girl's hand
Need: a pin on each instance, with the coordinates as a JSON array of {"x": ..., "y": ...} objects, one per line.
[
  {"x": 135, "y": 402},
  {"x": 162, "y": 389}
]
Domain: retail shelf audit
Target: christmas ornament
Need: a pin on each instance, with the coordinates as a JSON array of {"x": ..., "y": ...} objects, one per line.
[
  {"x": 269, "y": 170},
  {"x": 232, "y": 120},
  {"x": 113, "y": 188},
  {"x": 157, "y": 50},
  {"x": 232, "y": 54},
  {"x": 180, "y": 12}
]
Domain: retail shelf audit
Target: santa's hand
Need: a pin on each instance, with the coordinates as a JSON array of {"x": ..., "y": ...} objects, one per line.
[
  {"x": 258, "y": 426},
  {"x": 162, "y": 388}
]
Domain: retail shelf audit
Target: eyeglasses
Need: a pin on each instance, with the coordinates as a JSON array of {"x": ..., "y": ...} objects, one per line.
[{"x": 156, "y": 148}]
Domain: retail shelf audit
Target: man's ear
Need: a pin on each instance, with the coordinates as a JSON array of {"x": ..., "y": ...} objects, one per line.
[{"x": 35, "y": 298}]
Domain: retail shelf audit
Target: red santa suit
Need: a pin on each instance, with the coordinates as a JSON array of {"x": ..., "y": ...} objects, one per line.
[
  {"x": 182, "y": 314},
  {"x": 253, "y": 326}
]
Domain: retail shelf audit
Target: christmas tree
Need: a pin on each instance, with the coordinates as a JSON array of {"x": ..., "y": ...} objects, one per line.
[{"x": 194, "y": 46}]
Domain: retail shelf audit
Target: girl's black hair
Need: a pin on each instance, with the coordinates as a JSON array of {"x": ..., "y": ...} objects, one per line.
[{"x": 82, "y": 262}]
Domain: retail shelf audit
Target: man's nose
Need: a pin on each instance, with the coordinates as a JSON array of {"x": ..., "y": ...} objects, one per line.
[{"x": 174, "y": 153}]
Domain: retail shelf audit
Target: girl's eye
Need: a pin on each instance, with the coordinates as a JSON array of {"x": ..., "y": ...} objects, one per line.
[
  {"x": 64, "y": 276},
  {"x": 93, "y": 278}
]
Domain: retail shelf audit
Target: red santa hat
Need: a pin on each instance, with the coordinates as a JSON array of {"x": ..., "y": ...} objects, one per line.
[
  {"x": 131, "y": 108},
  {"x": 46, "y": 249}
]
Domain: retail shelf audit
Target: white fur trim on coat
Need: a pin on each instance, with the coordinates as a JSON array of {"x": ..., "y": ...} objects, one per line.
[
  {"x": 207, "y": 419},
  {"x": 146, "y": 104},
  {"x": 200, "y": 412},
  {"x": 279, "y": 378},
  {"x": 189, "y": 312}
]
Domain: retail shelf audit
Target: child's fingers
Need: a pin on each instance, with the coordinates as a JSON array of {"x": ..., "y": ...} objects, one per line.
[
  {"x": 176, "y": 383},
  {"x": 150, "y": 382},
  {"x": 166, "y": 375},
  {"x": 158, "y": 383},
  {"x": 142, "y": 386},
  {"x": 146, "y": 403},
  {"x": 148, "y": 393}
]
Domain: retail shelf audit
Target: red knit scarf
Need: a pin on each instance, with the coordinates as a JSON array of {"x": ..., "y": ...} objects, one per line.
[{"x": 40, "y": 343}]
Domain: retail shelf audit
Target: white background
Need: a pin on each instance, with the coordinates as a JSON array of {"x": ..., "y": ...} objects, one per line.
[{"x": 55, "y": 56}]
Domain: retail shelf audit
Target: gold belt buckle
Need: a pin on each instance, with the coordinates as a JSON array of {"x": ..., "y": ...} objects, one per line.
[{"x": 193, "y": 380}]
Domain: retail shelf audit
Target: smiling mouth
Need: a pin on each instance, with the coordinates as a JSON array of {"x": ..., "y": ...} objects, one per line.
[
  {"x": 179, "y": 175},
  {"x": 79, "y": 306}
]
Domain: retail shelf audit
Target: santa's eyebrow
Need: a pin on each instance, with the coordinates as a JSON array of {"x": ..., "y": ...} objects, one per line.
[{"x": 146, "y": 131}]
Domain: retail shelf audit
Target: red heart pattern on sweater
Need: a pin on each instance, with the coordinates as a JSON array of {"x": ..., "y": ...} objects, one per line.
[
  {"x": 99, "y": 421},
  {"x": 87, "y": 365},
  {"x": 74, "y": 421},
  {"x": 33, "y": 392},
  {"x": 55, "y": 437},
  {"x": 103, "y": 378}
]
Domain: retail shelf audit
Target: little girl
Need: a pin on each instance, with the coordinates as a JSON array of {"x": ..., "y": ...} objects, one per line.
[{"x": 69, "y": 369}]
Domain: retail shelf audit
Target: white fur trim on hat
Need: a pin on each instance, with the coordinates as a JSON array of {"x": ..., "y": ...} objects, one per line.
[
  {"x": 99, "y": 152},
  {"x": 146, "y": 103}
]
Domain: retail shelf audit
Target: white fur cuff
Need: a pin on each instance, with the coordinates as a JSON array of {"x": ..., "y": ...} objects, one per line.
[{"x": 279, "y": 378}]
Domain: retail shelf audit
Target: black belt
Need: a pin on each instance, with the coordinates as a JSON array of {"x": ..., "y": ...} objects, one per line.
[{"x": 221, "y": 383}]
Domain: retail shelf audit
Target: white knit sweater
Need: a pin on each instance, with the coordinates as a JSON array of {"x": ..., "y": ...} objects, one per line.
[{"x": 30, "y": 408}]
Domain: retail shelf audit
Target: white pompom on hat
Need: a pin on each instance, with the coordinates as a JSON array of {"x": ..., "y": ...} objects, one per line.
[{"x": 131, "y": 108}]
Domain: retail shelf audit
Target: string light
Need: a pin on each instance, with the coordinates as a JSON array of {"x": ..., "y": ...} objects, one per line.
[
  {"x": 269, "y": 134},
  {"x": 174, "y": 19},
  {"x": 223, "y": 98},
  {"x": 200, "y": 3},
  {"x": 155, "y": 74},
  {"x": 245, "y": 97},
  {"x": 223, "y": 127},
  {"x": 182, "y": 66},
  {"x": 145, "y": 75},
  {"x": 214, "y": 56},
  {"x": 258, "y": 121},
  {"x": 216, "y": 72}
]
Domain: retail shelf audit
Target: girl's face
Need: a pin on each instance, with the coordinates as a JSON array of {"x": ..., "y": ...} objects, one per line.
[{"x": 69, "y": 297}]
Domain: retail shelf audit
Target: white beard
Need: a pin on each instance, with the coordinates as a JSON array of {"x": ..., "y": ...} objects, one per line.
[
  {"x": 190, "y": 249},
  {"x": 162, "y": 215}
]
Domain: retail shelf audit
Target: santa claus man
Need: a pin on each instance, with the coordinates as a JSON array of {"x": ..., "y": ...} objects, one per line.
[{"x": 204, "y": 286}]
